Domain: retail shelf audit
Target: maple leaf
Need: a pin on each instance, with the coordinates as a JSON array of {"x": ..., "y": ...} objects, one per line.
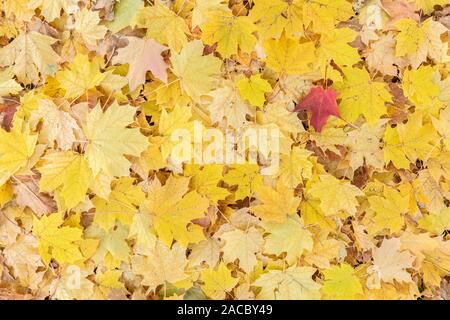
[
  {"x": 270, "y": 17},
  {"x": 408, "y": 142},
  {"x": 442, "y": 127},
  {"x": 242, "y": 245},
  {"x": 140, "y": 229},
  {"x": 253, "y": 89},
  {"x": 229, "y": 32},
  {"x": 203, "y": 7},
  {"x": 335, "y": 195},
  {"x": 436, "y": 223},
  {"x": 341, "y": 283},
  {"x": 421, "y": 88},
  {"x": 227, "y": 106},
  {"x": 420, "y": 41},
  {"x": 163, "y": 264},
  {"x": 206, "y": 251},
  {"x": 428, "y": 5},
  {"x": 361, "y": 96},
  {"x": 294, "y": 17},
  {"x": 52, "y": 9},
  {"x": 381, "y": 56},
  {"x": 364, "y": 146},
  {"x": 163, "y": 25},
  {"x": 278, "y": 114},
  {"x": 125, "y": 13},
  {"x": 81, "y": 76},
  {"x": 56, "y": 241},
  {"x": 142, "y": 56},
  {"x": 217, "y": 282},
  {"x": 120, "y": 204},
  {"x": 294, "y": 283},
  {"x": 325, "y": 14},
  {"x": 289, "y": 236},
  {"x": 9, "y": 87},
  {"x": 59, "y": 126},
  {"x": 68, "y": 173},
  {"x": 335, "y": 46},
  {"x": 389, "y": 263},
  {"x": 321, "y": 103},
  {"x": 86, "y": 130},
  {"x": 29, "y": 54},
  {"x": 246, "y": 177},
  {"x": 112, "y": 246},
  {"x": 87, "y": 25},
  {"x": 16, "y": 149},
  {"x": 282, "y": 55},
  {"x": 389, "y": 210},
  {"x": 187, "y": 65},
  {"x": 295, "y": 167},
  {"x": 174, "y": 211},
  {"x": 110, "y": 139},
  {"x": 277, "y": 204},
  {"x": 206, "y": 181}
]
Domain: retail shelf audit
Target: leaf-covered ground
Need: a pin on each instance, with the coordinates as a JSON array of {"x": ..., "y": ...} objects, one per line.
[{"x": 95, "y": 206}]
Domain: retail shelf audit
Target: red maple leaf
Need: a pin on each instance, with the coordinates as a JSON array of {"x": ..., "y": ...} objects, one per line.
[{"x": 321, "y": 103}]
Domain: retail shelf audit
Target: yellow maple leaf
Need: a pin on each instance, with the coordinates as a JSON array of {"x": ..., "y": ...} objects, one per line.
[
  {"x": 125, "y": 13},
  {"x": 227, "y": 107},
  {"x": 335, "y": 46},
  {"x": 203, "y": 7},
  {"x": 419, "y": 41},
  {"x": 58, "y": 126},
  {"x": 229, "y": 32},
  {"x": 206, "y": 181},
  {"x": 436, "y": 223},
  {"x": 56, "y": 241},
  {"x": 272, "y": 17},
  {"x": 253, "y": 89},
  {"x": 341, "y": 283},
  {"x": 294, "y": 283},
  {"x": 408, "y": 142},
  {"x": 283, "y": 55},
  {"x": 16, "y": 149},
  {"x": 389, "y": 210},
  {"x": 217, "y": 282},
  {"x": 364, "y": 146},
  {"x": 120, "y": 205},
  {"x": 82, "y": 75},
  {"x": 163, "y": 264},
  {"x": 173, "y": 212},
  {"x": 324, "y": 15},
  {"x": 68, "y": 173},
  {"x": 277, "y": 204},
  {"x": 112, "y": 248},
  {"x": 335, "y": 195},
  {"x": 246, "y": 177},
  {"x": 289, "y": 236},
  {"x": 242, "y": 245},
  {"x": 389, "y": 263},
  {"x": 360, "y": 95},
  {"x": 87, "y": 26},
  {"x": 163, "y": 25},
  {"x": 195, "y": 71},
  {"x": 29, "y": 54},
  {"x": 110, "y": 139},
  {"x": 9, "y": 87},
  {"x": 295, "y": 167},
  {"x": 428, "y": 5},
  {"x": 442, "y": 126},
  {"x": 421, "y": 87}
]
